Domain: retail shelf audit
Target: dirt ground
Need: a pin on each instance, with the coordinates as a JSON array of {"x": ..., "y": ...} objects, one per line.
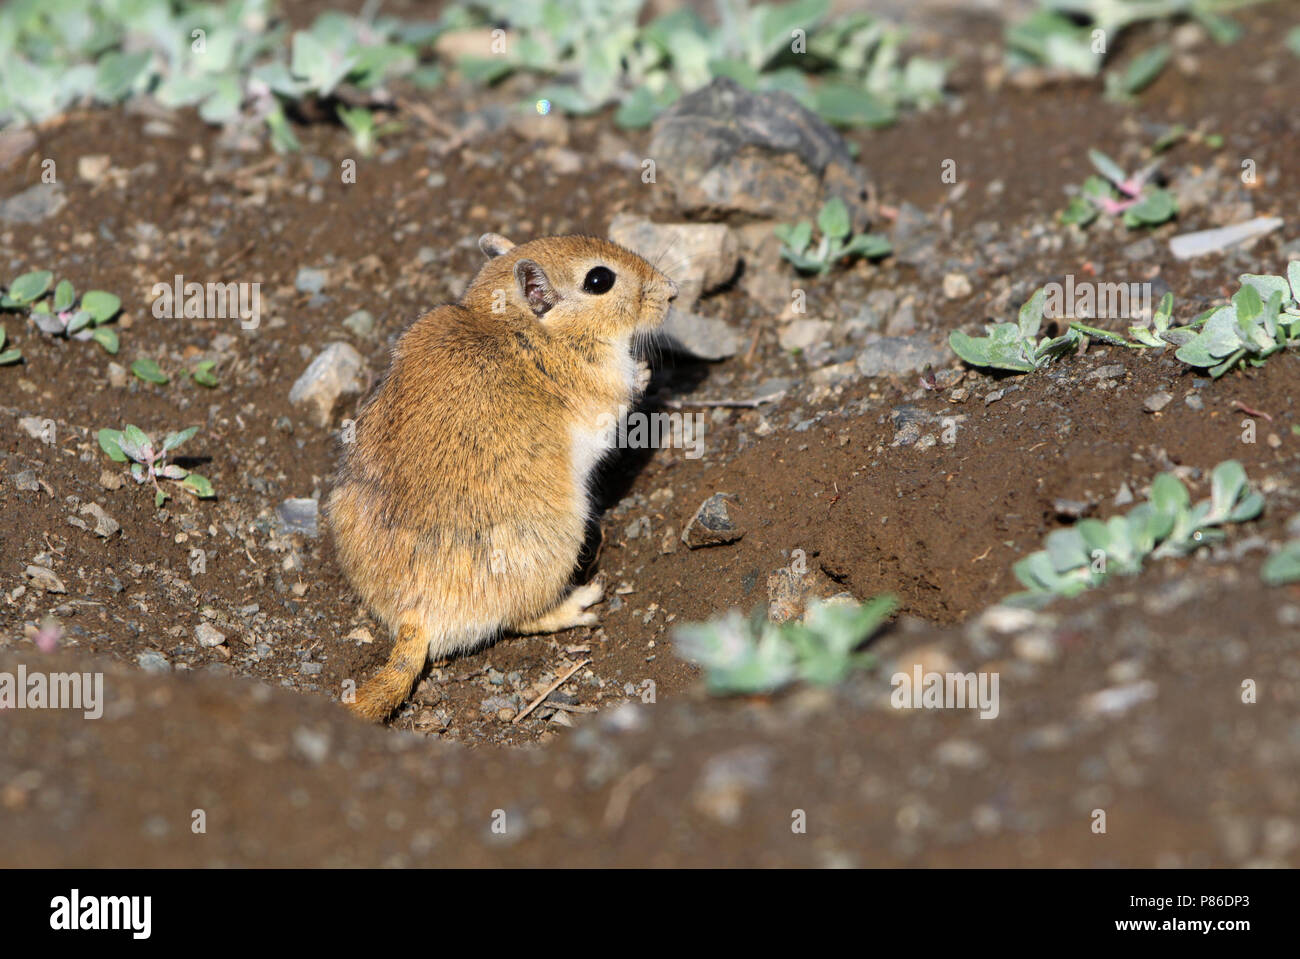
[{"x": 1126, "y": 699}]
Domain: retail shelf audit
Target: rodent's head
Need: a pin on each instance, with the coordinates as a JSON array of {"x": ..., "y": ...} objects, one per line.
[{"x": 578, "y": 283}]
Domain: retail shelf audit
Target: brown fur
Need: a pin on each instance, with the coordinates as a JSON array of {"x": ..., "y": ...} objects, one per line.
[{"x": 459, "y": 511}]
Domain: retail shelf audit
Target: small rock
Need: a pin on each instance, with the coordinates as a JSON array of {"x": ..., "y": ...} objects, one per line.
[
  {"x": 311, "y": 280},
  {"x": 208, "y": 636},
  {"x": 1111, "y": 372},
  {"x": 1194, "y": 402},
  {"x": 110, "y": 480},
  {"x": 803, "y": 334},
  {"x": 704, "y": 336},
  {"x": 311, "y": 745},
  {"x": 105, "y": 525},
  {"x": 956, "y": 286},
  {"x": 152, "y": 661},
  {"x": 728, "y": 779},
  {"x": 34, "y": 204},
  {"x": 712, "y": 525},
  {"x": 336, "y": 372},
  {"x": 34, "y": 426},
  {"x": 361, "y": 323},
  {"x": 1158, "y": 401},
  {"x": 707, "y": 252},
  {"x": 1118, "y": 699},
  {"x": 26, "y": 481},
  {"x": 299, "y": 516},
  {"x": 93, "y": 166},
  {"x": 43, "y": 577},
  {"x": 1188, "y": 245},
  {"x": 787, "y": 593},
  {"x": 961, "y": 754},
  {"x": 723, "y": 149},
  {"x": 899, "y": 354},
  {"x": 116, "y": 375}
]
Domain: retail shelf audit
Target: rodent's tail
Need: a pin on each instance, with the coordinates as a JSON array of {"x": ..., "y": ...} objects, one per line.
[{"x": 386, "y": 690}]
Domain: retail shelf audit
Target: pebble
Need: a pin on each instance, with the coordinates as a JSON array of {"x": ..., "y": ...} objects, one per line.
[
  {"x": 712, "y": 524},
  {"x": 361, "y": 323},
  {"x": 1158, "y": 401},
  {"x": 1117, "y": 699},
  {"x": 299, "y": 516},
  {"x": 44, "y": 578},
  {"x": 34, "y": 204},
  {"x": 707, "y": 337},
  {"x": 208, "y": 636},
  {"x": 900, "y": 354},
  {"x": 311, "y": 280},
  {"x": 152, "y": 661},
  {"x": 25, "y": 481},
  {"x": 956, "y": 286},
  {"x": 336, "y": 372}
]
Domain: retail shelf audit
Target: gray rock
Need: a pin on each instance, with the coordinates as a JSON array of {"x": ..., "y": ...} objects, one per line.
[
  {"x": 361, "y": 323},
  {"x": 105, "y": 526},
  {"x": 34, "y": 204},
  {"x": 699, "y": 257},
  {"x": 804, "y": 333},
  {"x": 712, "y": 524},
  {"x": 208, "y": 635},
  {"x": 915, "y": 236},
  {"x": 336, "y": 372},
  {"x": 723, "y": 150},
  {"x": 1158, "y": 401},
  {"x": 152, "y": 661},
  {"x": 900, "y": 354},
  {"x": 299, "y": 516},
  {"x": 311, "y": 280},
  {"x": 707, "y": 337},
  {"x": 43, "y": 578},
  {"x": 26, "y": 481},
  {"x": 1188, "y": 245}
]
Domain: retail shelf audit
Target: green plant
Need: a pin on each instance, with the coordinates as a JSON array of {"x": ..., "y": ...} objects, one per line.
[
  {"x": 837, "y": 241},
  {"x": 754, "y": 655},
  {"x": 1115, "y": 192},
  {"x": 1074, "y": 36},
  {"x": 149, "y": 462},
  {"x": 1283, "y": 567},
  {"x": 1262, "y": 318},
  {"x": 203, "y": 374},
  {"x": 1088, "y": 553},
  {"x": 595, "y": 55},
  {"x": 59, "y": 313},
  {"x": 149, "y": 371},
  {"x": 365, "y": 131},
  {"x": 1017, "y": 347},
  {"x": 10, "y": 356}
]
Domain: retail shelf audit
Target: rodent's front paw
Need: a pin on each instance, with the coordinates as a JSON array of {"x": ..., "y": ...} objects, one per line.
[{"x": 643, "y": 375}]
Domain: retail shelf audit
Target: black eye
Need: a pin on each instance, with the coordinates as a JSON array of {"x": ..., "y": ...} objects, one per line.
[{"x": 599, "y": 280}]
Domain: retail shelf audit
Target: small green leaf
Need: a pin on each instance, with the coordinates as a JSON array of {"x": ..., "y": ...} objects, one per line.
[
  {"x": 9, "y": 357},
  {"x": 65, "y": 294},
  {"x": 100, "y": 305},
  {"x": 175, "y": 439},
  {"x": 200, "y": 486},
  {"x": 1031, "y": 314},
  {"x": 833, "y": 220},
  {"x": 1283, "y": 566},
  {"x": 1107, "y": 167},
  {"x": 110, "y": 441},
  {"x": 30, "y": 286},
  {"x": 204, "y": 376},
  {"x": 148, "y": 370},
  {"x": 106, "y": 338}
]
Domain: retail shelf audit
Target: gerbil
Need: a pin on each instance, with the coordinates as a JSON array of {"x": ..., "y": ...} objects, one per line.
[{"x": 462, "y": 504}]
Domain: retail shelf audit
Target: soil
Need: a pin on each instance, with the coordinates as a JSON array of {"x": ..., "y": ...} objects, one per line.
[{"x": 881, "y": 485}]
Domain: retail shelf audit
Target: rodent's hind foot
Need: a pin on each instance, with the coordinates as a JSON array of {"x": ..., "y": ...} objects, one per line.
[{"x": 570, "y": 613}]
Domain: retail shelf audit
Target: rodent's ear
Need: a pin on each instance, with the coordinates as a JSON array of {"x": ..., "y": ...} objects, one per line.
[
  {"x": 494, "y": 244},
  {"x": 535, "y": 286}
]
